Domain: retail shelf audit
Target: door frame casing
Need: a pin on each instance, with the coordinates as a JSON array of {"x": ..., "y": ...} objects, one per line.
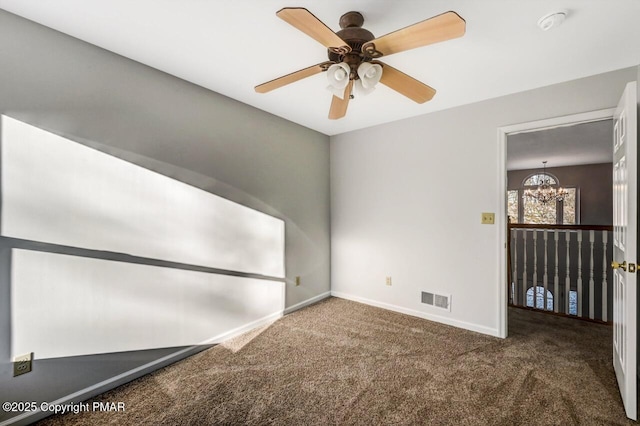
[{"x": 501, "y": 219}]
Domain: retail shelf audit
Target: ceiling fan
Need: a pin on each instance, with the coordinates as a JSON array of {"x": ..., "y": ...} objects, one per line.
[{"x": 354, "y": 52}]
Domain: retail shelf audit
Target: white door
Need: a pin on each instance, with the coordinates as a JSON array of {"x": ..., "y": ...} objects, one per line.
[{"x": 624, "y": 247}]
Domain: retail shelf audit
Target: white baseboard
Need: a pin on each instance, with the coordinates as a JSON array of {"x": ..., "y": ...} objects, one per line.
[
  {"x": 305, "y": 303},
  {"x": 127, "y": 376},
  {"x": 425, "y": 315},
  {"x": 242, "y": 329}
]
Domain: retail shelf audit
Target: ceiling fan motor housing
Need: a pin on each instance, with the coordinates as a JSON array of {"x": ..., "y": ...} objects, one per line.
[{"x": 355, "y": 36}]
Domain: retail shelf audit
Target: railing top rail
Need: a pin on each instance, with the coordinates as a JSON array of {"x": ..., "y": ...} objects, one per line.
[{"x": 554, "y": 226}]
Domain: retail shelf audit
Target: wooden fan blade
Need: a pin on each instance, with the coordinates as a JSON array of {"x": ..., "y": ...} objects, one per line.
[
  {"x": 306, "y": 22},
  {"x": 405, "y": 85},
  {"x": 433, "y": 30},
  {"x": 293, "y": 77},
  {"x": 339, "y": 106}
]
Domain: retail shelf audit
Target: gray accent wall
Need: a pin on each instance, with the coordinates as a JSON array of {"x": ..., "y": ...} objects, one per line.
[{"x": 162, "y": 123}]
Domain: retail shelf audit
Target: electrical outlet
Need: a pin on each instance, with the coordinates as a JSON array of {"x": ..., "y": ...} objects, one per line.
[
  {"x": 297, "y": 281},
  {"x": 22, "y": 364},
  {"x": 388, "y": 281},
  {"x": 488, "y": 218}
]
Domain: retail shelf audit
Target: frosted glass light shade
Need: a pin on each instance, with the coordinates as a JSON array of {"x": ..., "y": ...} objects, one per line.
[
  {"x": 370, "y": 74},
  {"x": 361, "y": 90},
  {"x": 338, "y": 77}
]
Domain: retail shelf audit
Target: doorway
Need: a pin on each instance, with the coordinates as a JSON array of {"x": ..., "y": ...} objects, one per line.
[{"x": 513, "y": 131}]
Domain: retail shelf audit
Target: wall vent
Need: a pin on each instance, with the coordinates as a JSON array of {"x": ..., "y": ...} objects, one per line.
[{"x": 442, "y": 301}]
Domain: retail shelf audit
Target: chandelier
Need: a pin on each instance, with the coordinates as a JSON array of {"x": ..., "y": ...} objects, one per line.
[{"x": 545, "y": 192}]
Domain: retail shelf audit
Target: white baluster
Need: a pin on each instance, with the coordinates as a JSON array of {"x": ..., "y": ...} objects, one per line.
[
  {"x": 535, "y": 268},
  {"x": 556, "y": 279},
  {"x": 605, "y": 267},
  {"x": 567, "y": 282},
  {"x": 579, "y": 284},
  {"x": 515, "y": 266},
  {"x": 524, "y": 267},
  {"x": 591, "y": 282},
  {"x": 544, "y": 277}
]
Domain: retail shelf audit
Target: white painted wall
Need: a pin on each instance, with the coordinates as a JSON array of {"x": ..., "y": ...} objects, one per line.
[
  {"x": 68, "y": 305},
  {"x": 406, "y": 201},
  {"x": 58, "y": 191}
]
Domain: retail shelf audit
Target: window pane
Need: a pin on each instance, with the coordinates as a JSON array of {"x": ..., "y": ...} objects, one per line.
[
  {"x": 573, "y": 302},
  {"x": 512, "y": 205},
  {"x": 569, "y": 207},
  {"x": 539, "y": 298},
  {"x": 537, "y": 212},
  {"x": 536, "y": 180}
]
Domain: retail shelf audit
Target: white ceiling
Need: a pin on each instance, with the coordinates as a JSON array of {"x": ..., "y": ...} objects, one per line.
[
  {"x": 584, "y": 143},
  {"x": 229, "y": 46}
]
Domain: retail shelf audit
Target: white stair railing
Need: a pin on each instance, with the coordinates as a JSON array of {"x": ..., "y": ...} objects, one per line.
[{"x": 536, "y": 260}]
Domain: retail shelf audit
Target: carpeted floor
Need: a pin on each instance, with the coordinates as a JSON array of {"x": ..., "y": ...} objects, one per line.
[{"x": 341, "y": 362}]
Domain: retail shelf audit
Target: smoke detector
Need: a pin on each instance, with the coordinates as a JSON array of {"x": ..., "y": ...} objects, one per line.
[{"x": 552, "y": 20}]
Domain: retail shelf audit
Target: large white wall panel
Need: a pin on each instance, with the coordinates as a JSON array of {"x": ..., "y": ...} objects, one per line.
[
  {"x": 57, "y": 191},
  {"x": 66, "y": 305}
]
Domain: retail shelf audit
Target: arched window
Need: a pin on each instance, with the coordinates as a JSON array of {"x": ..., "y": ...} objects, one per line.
[
  {"x": 538, "y": 178},
  {"x": 539, "y": 298},
  {"x": 526, "y": 210}
]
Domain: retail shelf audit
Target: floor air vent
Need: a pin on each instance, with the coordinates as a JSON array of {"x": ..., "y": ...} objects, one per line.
[{"x": 437, "y": 300}]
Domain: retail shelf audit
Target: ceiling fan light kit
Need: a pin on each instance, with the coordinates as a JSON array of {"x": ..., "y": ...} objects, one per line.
[
  {"x": 354, "y": 51},
  {"x": 339, "y": 76}
]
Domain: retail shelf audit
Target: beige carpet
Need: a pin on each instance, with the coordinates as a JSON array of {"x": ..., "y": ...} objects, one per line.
[{"x": 340, "y": 362}]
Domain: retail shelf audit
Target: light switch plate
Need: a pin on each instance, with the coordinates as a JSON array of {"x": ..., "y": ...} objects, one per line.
[{"x": 488, "y": 218}]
